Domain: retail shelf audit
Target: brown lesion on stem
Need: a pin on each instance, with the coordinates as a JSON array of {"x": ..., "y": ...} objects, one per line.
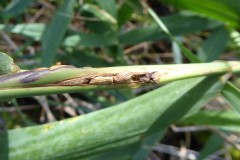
[{"x": 113, "y": 78}]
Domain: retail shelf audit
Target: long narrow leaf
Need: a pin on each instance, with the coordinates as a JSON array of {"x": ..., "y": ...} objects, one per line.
[
  {"x": 227, "y": 120},
  {"x": 109, "y": 6},
  {"x": 149, "y": 141},
  {"x": 214, "y": 46},
  {"x": 213, "y": 143},
  {"x": 121, "y": 125},
  {"x": 178, "y": 24},
  {"x": 232, "y": 95},
  {"x": 55, "y": 32},
  {"x": 16, "y": 7},
  {"x": 212, "y": 9},
  {"x": 31, "y": 30},
  {"x": 193, "y": 58}
]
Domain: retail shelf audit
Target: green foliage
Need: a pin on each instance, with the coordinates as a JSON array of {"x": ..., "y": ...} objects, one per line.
[
  {"x": 6, "y": 65},
  {"x": 213, "y": 47},
  {"x": 16, "y": 7},
  {"x": 55, "y": 31},
  {"x": 226, "y": 11},
  {"x": 227, "y": 120},
  {"x": 100, "y": 33},
  {"x": 126, "y": 123},
  {"x": 232, "y": 95}
]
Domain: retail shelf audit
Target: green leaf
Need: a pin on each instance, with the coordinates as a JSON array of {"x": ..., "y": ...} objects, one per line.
[
  {"x": 35, "y": 31},
  {"x": 149, "y": 141},
  {"x": 90, "y": 40},
  {"x": 99, "y": 13},
  {"x": 214, "y": 46},
  {"x": 178, "y": 24},
  {"x": 226, "y": 11},
  {"x": 191, "y": 57},
  {"x": 16, "y": 7},
  {"x": 55, "y": 31},
  {"x": 213, "y": 143},
  {"x": 232, "y": 94},
  {"x": 102, "y": 131},
  {"x": 4, "y": 3},
  {"x": 196, "y": 98},
  {"x": 6, "y": 64},
  {"x": 125, "y": 11},
  {"x": 31, "y": 30},
  {"x": 227, "y": 120},
  {"x": 109, "y": 6}
]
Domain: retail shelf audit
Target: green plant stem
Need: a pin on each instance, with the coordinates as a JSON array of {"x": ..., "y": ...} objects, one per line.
[
  {"x": 46, "y": 81},
  {"x": 35, "y": 91}
]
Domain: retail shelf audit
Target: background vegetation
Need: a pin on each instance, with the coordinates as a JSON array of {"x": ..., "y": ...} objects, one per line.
[{"x": 159, "y": 124}]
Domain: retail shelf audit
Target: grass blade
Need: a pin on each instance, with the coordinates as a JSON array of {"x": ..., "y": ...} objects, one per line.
[
  {"x": 227, "y": 120},
  {"x": 90, "y": 40},
  {"x": 192, "y": 105},
  {"x": 213, "y": 143},
  {"x": 118, "y": 126},
  {"x": 99, "y": 13},
  {"x": 193, "y": 58},
  {"x": 55, "y": 31},
  {"x": 109, "y": 6},
  {"x": 16, "y": 7},
  {"x": 178, "y": 24},
  {"x": 214, "y": 46},
  {"x": 31, "y": 30},
  {"x": 149, "y": 141},
  {"x": 232, "y": 95},
  {"x": 212, "y": 9}
]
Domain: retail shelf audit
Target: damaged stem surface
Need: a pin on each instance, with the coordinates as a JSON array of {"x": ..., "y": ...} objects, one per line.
[
  {"x": 69, "y": 79},
  {"x": 66, "y": 75},
  {"x": 113, "y": 78}
]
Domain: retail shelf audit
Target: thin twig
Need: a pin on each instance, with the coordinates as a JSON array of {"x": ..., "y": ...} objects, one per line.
[
  {"x": 207, "y": 128},
  {"x": 9, "y": 41},
  {"x": 189, "y": 128},
  {"x": 43, "y": 101},
  {"x": 37, "y": 15},
  {"x": 13, "y": 109},
  {"x": 175, "y": 151}
]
